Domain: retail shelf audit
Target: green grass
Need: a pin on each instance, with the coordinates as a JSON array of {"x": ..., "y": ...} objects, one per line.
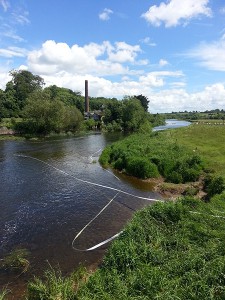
[
  {"x": 54, "y": 286},
  {"x": 204, "y": 140},
  {"x": 3, "y": 294},
  {"x": 165, "y": 252}
]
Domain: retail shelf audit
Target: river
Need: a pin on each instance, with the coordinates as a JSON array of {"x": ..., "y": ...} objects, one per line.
[
  {"x": 43, "y": 205},
  {"x": 49, "y": 191}
]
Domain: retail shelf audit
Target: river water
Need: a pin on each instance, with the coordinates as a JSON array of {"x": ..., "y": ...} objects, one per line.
[{"x": 44, "y": 203}]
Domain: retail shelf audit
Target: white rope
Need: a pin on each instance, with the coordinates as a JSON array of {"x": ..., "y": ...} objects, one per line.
[
  {"x": 102, "y": 243},
  {"x": 95, "y": 184},
  {"x": 90, "y": 182}
]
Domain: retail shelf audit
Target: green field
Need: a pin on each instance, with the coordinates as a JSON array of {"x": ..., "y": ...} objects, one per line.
[{"x": 206, "y": 140}]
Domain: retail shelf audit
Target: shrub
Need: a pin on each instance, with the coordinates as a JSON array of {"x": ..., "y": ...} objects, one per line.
[
  {"x": 142, "y": 168},
  {"x": 174, "y": 177},
  {"x": 213, "y": 186}
]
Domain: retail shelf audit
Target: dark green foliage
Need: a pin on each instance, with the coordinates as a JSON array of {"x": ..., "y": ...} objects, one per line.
[
  {"x": 213, "y": 185},
  {"x": 141, "y": 167},
  {"x": 144, "y": 101},
  {"x": 43, "y": 115},
  {"x": 148, "y": 155},
  {"x": 24, "y": 83}
]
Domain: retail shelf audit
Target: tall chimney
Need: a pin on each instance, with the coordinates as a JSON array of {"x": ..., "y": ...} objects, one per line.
[{"x": 86, "y": 97}]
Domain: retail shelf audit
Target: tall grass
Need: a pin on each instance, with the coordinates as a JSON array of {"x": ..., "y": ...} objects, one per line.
[{"x": 55, "y": 286}]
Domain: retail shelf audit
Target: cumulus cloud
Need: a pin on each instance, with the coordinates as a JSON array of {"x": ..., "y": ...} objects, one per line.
[
  {"x": 210, "y": 55},
  {"x": 176, "y": 12},
  {"x": 105, "y": 15},
  {"x": 5, "y": 4},
  {"x": 101, "y": 59},
  {"x": 123, "y": 52},
  {"x": 179, "y": 99}
]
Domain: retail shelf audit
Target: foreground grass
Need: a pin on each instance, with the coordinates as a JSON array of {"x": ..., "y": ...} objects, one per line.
[{"x": 171, "y": 250}]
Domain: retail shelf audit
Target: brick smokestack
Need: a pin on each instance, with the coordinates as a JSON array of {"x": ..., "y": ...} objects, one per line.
[{"x": 86, "y": 97}]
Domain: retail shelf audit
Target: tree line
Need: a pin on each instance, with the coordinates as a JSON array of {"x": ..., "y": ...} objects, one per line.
[{"x": 36, "y": 109}]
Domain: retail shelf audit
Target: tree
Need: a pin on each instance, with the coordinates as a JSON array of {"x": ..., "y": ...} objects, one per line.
[
  {"x": 67, "y": 96},
  {"x": 43, "y": 115},
  {"x": 144, "y": 101},
  {"x": 133, "y": 114},
  {"x": 24, "y": 83}
]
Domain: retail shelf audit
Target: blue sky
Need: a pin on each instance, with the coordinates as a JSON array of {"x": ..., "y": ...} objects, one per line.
[{"x": 171, "y": 51}]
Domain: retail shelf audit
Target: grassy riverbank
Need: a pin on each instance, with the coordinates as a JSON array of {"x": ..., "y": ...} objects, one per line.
[{"x": 171, "y": 250}]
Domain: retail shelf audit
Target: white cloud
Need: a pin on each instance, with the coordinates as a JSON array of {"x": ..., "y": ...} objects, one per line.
[
  {"x": 163, "y": 63},
  {"x": 175, "y": 12},
  {"x": 10, "y": 33},
  {"x": 96, "y": 59},
  {"x": 179, "y": 99},
  {"x": 105, "y": 15},
  {"x": 123, "y": 52},
  {"x": 148, "y": 42},
  {"x": 13, "y": 52},
  {"x": 211, "y": 56},
  {"x": 21, "y": 17}
]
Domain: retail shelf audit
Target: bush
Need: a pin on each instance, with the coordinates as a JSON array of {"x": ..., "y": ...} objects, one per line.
[
  {"x": 141, "y": 168},
  {"x": 213, "y": 186},
  {"x": 174, "y": 177}
]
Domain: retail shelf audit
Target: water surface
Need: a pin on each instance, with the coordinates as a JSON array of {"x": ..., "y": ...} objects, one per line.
[{"x": 43, "y": 205}]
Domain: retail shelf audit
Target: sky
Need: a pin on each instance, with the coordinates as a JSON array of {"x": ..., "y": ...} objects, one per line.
[{"x": 171, "y": 51}]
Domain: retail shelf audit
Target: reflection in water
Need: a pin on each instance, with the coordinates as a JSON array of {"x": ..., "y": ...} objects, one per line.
[{"x": 42, "y": 209}]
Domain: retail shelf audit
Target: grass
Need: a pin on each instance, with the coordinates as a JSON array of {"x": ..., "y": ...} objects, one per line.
[
  {"x": 165, "y": 252},
  {"x": 3, "y": 294},
  {"x": 207, "y": 141},
  {"x": 56, "y": 287}
]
